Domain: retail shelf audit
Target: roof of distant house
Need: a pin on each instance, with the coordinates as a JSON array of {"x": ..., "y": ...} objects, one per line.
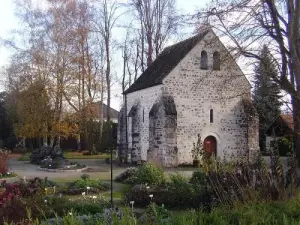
[
  {"x": 288, "y": 119},
  {"x": 283, "y": 125},
  {"x": 165, "y": 63},
  {"x": 93, "y": 111}
]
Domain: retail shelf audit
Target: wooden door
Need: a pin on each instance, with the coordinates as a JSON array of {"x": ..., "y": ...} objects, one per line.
[{"x": 210, "y": 145}]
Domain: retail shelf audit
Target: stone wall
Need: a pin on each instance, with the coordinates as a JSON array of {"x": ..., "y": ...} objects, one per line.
[
  {"x": 146, "y": 99},
  {"x": 194, "y": 93},
  {"x": 122, "y": 153},
  {"x": 135, "y": 124},
  {"x": 162, "y": 133},
  {"x": 197, "y": 91}
]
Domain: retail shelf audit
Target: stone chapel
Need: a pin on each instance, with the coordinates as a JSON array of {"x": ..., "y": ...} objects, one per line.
[{"x": 193, "y": 87}]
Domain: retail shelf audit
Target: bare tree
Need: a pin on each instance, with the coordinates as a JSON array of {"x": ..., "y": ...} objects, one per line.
[
  {"x": 249, "y": 24},
  {"x": 104, "y": 24},
  {"x": 157, "y": 21}
]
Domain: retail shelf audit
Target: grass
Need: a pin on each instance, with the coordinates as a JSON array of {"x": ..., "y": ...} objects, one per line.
[
  {"x": 273, "y": 213},
  {"x": 117, "y": 195},
  {"x": 71, "y": 155}
]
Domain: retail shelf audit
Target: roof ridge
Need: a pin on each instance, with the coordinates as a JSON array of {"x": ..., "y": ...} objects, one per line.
[
  {"x": 185, "y": 40},
  {"x": 165, "y": 62}
]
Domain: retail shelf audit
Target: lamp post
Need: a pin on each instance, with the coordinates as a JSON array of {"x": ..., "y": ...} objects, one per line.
[
  {"x": 111, "y": 177},
  {"x": 111, "y": 167}
]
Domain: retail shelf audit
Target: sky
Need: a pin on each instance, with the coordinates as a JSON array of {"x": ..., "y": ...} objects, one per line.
[{"x": 8, "y": 22}]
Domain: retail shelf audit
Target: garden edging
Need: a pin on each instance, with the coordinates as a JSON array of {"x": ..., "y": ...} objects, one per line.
[{"x": 62, "y": 170}]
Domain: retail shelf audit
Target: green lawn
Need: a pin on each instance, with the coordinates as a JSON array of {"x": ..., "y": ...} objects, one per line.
[{"x": 71, "y": 155}]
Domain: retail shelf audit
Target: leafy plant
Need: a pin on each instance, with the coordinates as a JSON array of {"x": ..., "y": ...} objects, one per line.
[
  {"x": 150, "y": 174},
  {"x": 200, "y": 178},
  {"x": 178, "y": 193},
  {"x": 127, "y": 176},
  {"x": 81, "y": 185},
  {"x": 85, "y": 176},
  {"x": 197, "y": 150}
]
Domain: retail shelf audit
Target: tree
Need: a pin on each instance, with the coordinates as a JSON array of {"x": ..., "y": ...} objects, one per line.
[
  {"x": 61, "y": 52},
  {"x": 7, "y": 136},
  {"x": 266, "y": 94},
  {"x": 33, "y": 112},
  {"x": 249, "y": 24},
  {"x": 157, "y": 21},
  {"x": 104, "y": 26}
]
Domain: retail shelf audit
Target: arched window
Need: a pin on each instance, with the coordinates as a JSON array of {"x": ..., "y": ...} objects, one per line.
[
  {"x": 211, "y": 116},
  {"x": 204, "y": 65},
  {"x": 216, "y": 61}
]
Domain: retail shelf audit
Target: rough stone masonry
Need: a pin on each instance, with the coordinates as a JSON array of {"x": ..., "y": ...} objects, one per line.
[{"x": 193, "y": 87}]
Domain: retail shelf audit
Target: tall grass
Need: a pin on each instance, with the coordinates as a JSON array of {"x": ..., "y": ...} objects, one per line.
[{"x": 274, "y": 213}]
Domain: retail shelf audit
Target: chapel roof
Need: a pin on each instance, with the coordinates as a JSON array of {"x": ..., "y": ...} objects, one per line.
[{"x": 165, "y": 63}]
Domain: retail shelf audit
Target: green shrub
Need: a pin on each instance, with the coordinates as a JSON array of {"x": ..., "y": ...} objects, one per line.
[
  {"x": 199, "y": 177},
  {"x": 273, "y": 213},
  {"x": 150, "y": 174},
  {"x": 80, "y": 185},
  {"x": 85, "y": 176},
  {"x": 127, "y": 176},
  {"x": 178, "y": 193},
  {"x": 285, "y": 145}
]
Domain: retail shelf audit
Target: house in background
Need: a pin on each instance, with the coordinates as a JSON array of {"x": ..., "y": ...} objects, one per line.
[
  {"x": 282, "y": 131},
  {"x": 193, "y": 87},
  {"x": 93, "y": 111}
]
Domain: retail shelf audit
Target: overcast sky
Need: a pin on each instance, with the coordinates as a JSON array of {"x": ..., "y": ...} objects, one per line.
[{"x": 8, "y": 22}]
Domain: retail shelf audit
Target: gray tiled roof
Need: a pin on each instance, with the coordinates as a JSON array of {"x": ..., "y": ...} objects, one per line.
[{"x": 165, "y": 63}]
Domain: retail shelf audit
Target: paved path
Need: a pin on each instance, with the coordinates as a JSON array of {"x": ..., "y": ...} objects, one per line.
[{"x": 24, "y": 168}]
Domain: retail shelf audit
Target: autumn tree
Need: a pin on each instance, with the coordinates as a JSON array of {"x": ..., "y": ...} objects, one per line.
[
  {"x": 61, "y": 53},
  {"x": 33, "y": 112},
  {"x": 249, "y": 24}
]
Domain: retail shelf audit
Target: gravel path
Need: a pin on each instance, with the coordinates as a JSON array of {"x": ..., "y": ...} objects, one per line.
[{"x": 24, "y": 168}]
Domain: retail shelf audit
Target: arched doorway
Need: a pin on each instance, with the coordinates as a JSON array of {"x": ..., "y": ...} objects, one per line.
[{"x": 210, "y": 145}]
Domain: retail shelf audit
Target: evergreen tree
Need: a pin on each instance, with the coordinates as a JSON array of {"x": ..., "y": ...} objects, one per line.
[
  {"x": 7, "y": 136},
  {"x": 266, "y": 94}
]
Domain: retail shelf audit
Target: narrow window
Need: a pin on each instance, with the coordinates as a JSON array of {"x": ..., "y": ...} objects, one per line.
[
  {"x": 216, "y": 61},
  {"x": 143, "y": 115},
  {"x": 204, "y": 65},
  {"x": 211, "y": 116}
]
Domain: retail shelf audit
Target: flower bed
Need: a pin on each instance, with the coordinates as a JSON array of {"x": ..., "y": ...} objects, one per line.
[
  {"x": 7, "y": 175},
  {"x": 85, "y": 185},
  {"x": 78, "y": 168}
]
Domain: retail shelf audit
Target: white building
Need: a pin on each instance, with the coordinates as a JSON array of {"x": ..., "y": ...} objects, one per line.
[{"x": 193, "y": 87}]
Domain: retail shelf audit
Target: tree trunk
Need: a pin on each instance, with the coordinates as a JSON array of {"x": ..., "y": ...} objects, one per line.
[
  {"x": 45, "y": 140},
  {"x": 79, "y": 143},
  {"x": 107, "y": 46},
  {"x": 101, "y": 106},
  {"x": 150, "y": 49},
  {"x": 52, "y": 142},
  {"x": 296, "y": 117},
  {"x": 23, "y": 142}
]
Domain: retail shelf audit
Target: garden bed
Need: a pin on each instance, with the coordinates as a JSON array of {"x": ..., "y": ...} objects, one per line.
[
  {"x": 7, "y": 175},
  {"x": 71, "y": 169}
]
